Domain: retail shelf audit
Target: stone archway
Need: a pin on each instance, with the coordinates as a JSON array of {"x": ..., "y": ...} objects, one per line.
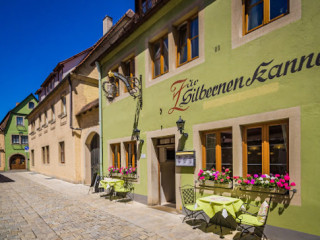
[
  {"x": 17, "y": 161},
  {"x": 92, "y": 156}
]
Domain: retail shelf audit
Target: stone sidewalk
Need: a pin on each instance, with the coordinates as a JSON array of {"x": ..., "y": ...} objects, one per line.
[{"x": 35, "y": 206}]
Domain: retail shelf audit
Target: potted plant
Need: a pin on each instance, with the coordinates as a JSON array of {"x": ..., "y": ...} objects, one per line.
[
  {"x": 273, "y": 183},
  {"x": 213, "y": 178}
]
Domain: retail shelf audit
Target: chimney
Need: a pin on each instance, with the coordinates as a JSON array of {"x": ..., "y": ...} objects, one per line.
[
  {"x": 107, "y": 24},
  {"x": 17, "y": 103}
]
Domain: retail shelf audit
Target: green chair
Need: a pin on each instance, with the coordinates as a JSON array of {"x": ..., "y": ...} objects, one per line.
[
  {"x": 125, "y": 189},
  {"x": 188, "y": 197},
  {"x": 256, "y": 220}
]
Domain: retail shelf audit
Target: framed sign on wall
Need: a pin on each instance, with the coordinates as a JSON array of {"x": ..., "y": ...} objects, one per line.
[{"x": 186, "y": 159}]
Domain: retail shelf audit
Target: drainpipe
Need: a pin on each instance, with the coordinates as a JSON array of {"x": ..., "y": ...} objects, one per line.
[
  {"x": 71, "y": 105},
  {"x": 100, "y": 117}
]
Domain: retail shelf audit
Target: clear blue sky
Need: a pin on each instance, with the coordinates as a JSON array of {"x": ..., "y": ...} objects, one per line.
[{"x": 36, "y": 35}]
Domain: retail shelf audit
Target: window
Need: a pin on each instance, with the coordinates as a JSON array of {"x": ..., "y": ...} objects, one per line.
[
  {"x": 43, "y": 155},
  {"x": 146, "y": 5},
  {"x": 20, "y": 121},
  {"x": 217, "y": 149},
  {"x": 53, "y": 115},
  {"x": 45, "y": 118},
  {"x": 160, "y": 57},
  {"x": 24, "y": 140},
  {"x": 47, "y": 154},
  {"x": 265, "y": 148},
  {"x": 63, "y": 105},
  {"x": 261, "y": 12},
  {"x": 31, "y": 105},
  {"x": 33, "y": 126},
  {"x": 116, "y": 155},
  {"x": 131, "y": 154},
  {"x": 61, "y": 152},
  {"x": 128, "y": 68},
  {"x": 188, "y": 42},
  {"x": 116, "y": 81},
  {"x": 15, "y": 139},
  {"x": 39, "y": 127},
  {"x": 32, "y": 157}
]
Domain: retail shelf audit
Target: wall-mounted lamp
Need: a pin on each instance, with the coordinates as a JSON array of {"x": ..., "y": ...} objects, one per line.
[
  {"x": 180, "y": 126},
  {"x": 136, "y": 134}
]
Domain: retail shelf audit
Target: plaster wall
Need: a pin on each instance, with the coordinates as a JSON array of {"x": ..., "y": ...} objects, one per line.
[
  {"x": 270, "y": 98},
  {"x": 2, "y": 152}
]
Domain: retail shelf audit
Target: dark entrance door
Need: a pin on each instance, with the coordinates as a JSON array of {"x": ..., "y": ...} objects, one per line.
[
  {"x": 95, "y": 154},
  {"x": 17, "y": 162}
]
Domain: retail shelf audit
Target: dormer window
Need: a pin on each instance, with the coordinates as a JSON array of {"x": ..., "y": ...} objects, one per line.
[
  {"x": 31, "y": 105},
  {"x": 144, "y": 6}
]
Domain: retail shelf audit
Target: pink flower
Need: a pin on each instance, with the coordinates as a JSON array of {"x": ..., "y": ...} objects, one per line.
[
  {"x": 271, "y": 181},
  {"x": 277, "y": 175},
  {"x": 201, "y": 178},
  {"x": 239, "y": 181},
  {"x": 255, "y": 175},
  {"x": 286, "y": 177},
  {"x": 227, "y": 170},
  {"x": 282, "y": 180},
  {"x": 263, "y": 175},
  {"x": 200, "y": 172},
  {"x": 285, "y": 184},
  {"x": 228, "y": 177},
  {"x": 293, "y": 184},
  {"x": 215, "y": 178},
  {"x": 279, "y": 184},
  {"x": 287, "y": 187},
  {"x": 221, "y": 180},
  {"x": 248, "y": 175},
  {"x": 236, "y": 177},
  {"x": 252, "y": 181},
  {"x": 223, "y": 174}
]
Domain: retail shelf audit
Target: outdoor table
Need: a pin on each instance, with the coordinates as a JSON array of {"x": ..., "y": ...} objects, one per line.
[
  {"x": 109, "y": 183},
  {"x": 213, "y": 204}
]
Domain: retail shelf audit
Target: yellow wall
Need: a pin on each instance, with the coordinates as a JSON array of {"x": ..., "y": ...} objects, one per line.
[{"x": 59, "y": 130}]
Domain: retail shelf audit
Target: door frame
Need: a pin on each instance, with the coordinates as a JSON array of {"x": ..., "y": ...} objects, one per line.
[
  {"x": 25, "y": 161},
  {"x": 153, "y": 165}
]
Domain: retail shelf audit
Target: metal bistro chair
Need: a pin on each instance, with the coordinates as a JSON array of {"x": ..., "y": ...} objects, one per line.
[
  {"x": 188, "y": 197},
  {"x": 125, "y": 189},
  {"x": 256, "y": 220}
]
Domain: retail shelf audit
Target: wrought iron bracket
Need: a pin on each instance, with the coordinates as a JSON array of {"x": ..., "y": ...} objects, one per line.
[{"x": 132, "y": 84}]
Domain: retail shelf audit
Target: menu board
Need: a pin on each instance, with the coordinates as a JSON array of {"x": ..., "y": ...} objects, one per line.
[{"x": 186, "y": 159}]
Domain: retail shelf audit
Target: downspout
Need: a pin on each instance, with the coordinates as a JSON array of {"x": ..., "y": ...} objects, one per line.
[
  {"x": 100, "y": 118},
  {"x": 71, "y": 105}
]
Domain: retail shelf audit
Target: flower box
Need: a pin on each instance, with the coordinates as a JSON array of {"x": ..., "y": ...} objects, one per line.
[
  {"x": 263, "y": 189},
  {"x": 210, "y": 183},
  {"x": 116, "y": 174}
]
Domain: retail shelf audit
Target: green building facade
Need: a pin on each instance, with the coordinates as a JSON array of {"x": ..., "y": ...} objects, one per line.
[
  {"x": 246, "y": 87},
  {"x": 15, "y": 129}
]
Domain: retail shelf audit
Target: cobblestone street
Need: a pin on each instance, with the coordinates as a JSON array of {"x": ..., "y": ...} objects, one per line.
[{"x": 35, "y": 206}]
